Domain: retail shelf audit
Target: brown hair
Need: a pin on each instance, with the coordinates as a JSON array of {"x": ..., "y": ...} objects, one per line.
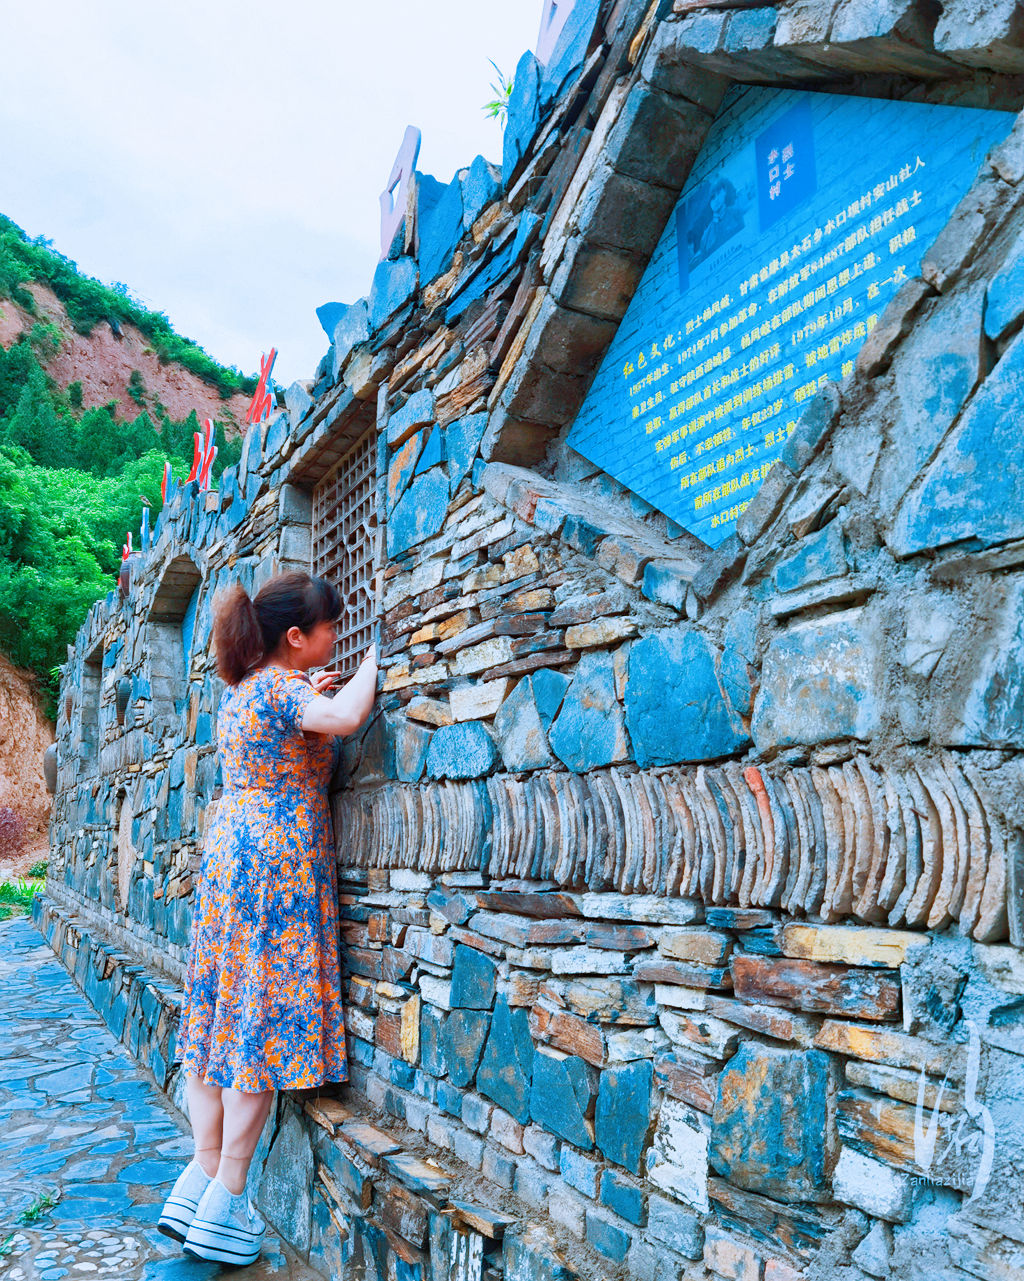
[{"x": 246, "y": 631}]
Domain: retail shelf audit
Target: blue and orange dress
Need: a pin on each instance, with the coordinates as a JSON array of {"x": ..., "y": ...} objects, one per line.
[{"x": 262, "y": 1007}]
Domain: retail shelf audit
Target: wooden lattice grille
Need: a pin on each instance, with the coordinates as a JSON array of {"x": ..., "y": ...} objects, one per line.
[{"x": 345, "y": 545}]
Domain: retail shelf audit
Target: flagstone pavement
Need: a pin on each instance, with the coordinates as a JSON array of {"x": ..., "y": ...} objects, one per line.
[{"x": 89, "y": 1145}]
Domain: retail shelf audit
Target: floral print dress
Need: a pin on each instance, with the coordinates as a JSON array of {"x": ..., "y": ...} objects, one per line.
[{"x": 262, "y": 1006}]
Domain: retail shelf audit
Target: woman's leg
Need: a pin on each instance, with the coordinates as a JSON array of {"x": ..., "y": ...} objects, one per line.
[
  {"x": 206, "y": 1112},
  {"x": 244, "y": 1117}
]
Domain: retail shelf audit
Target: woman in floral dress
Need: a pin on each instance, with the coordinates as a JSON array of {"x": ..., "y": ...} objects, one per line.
[{"x": 262, "y": 1008}]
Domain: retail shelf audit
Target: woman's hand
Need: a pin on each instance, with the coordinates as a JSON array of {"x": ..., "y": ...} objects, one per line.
[
  {"x": 351, "y": 705},
  {"x": 323, "y": 681}
]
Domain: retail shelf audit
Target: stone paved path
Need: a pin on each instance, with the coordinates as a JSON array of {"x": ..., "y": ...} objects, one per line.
[{"x": 82, "y": 1126}]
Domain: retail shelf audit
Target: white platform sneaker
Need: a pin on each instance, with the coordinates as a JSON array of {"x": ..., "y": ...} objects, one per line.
[
  {"x": 225, "y": 1228},
  {"x": 180, "y": 1207}
]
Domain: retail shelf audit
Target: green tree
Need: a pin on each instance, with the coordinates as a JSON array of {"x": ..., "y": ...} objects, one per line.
[{"x": 35, "y": 424}]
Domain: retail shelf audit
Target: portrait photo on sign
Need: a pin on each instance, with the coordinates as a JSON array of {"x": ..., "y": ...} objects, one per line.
[{"x": 709, "y": 219}]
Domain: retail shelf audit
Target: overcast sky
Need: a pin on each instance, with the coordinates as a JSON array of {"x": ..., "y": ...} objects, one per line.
[{"x": 224, "y": 159}]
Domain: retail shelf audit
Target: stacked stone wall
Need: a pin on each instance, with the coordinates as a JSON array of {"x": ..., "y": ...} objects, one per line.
[{"x": 681, "y": 890}]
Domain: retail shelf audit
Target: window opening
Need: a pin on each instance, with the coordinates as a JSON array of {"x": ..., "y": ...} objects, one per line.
[{"x": 345, "y": 552}]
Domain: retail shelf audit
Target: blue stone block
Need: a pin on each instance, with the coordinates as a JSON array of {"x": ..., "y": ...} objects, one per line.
[
  {"x": 523, "y": 114},
  {"x": 939, "y": 366},
  {"x": 561, "y": 1096},
  {"x": 411, "y": 742},
  {"x": 465, "y": 750},
  {"x": 478, "y": 285},
  {"x": 506, "y": 1067},
  {"x": 813, "y": 426},
  {"x": 440, "y": 231},
  {"x": 818, "y": 558},
  {"x": 351, "y": 329},
  {"x": 606, "y": 1238},
  {"x": 624, "y": 1113},
  {"x": 520, "y": 732},
  {"x": 204, "y": 728},
  {"x": 329, "y": 313},
  {"x": 665, "y": 584},
  {"x": 579, "y": 1171},
  {"x": 461, "y": 443},
  {"x": 297, "y": 401},
  {"x": 418, "y": 411},
  {"x": 766, "y": 1131},
  {"x": 582, "y": 535},
  {"x": 549, "y": 688},
  {"x": 176, "y": 769},
  {"x": 675, "y": 708},
  {"x": 986, "y": 708},
  {"x": 175, "y": 803},
  {"x": 462, "y": 1041},
  {"x": 277, "y": 434},
  {"x": 433, "y": 452},
  {"x": 821, "y": 680},
  {"x": 1005, "y": 299},
  {"x": 420, "y": 513},
  {"x": 971, "y": 490},
  {"x": 428, "y": 194},
  {"x": 402, "y": 1074},
  {"x": 453, "y": 906},
  {"x": 589, "y": 731},
  {"x": 480, "y": 187},
  {"x": 360, "y": 1051},
  {"x": 624, "y": 1198},
  {"x": 449, "y": 1098},
  {"x": 473, "y": 979},
  {"x": 425, "y": 1086},
  {"x": 394, "y": 283},
  {"x": 677, "y": 1227},
  {"x": 570, "y": 49},
  {"x": 402, "y": 465}
]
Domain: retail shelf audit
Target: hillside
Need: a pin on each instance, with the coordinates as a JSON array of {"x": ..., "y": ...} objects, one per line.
[
  {"x": 24, "y": 735},
  {"x": 122, "y": 367},
  {"x": 96, "y": 393}
]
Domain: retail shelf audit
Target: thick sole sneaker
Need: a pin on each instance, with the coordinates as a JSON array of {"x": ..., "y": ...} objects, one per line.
[
  {"x": 223, "y": 1243},
  {"x": 177, "y": 1217}
]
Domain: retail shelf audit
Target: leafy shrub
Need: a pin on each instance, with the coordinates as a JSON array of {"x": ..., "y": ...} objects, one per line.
[
  {"x": 38, "y": 869},
  {"x": 137, "y": 388}
]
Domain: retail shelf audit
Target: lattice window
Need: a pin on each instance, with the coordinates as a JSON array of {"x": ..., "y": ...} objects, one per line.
[{"x": 345, "y": 545}]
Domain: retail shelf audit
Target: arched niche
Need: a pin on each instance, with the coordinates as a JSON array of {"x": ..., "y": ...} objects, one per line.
[{"x": 169, "y": 634}]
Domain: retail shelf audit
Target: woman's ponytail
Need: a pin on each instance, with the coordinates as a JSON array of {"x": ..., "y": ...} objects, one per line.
[
  {"x": 237, "y": 635},
  {"x": 246, "y": 631}
]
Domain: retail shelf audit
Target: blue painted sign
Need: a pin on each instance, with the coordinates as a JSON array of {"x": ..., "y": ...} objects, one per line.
[{"x": 802, "y": 217}]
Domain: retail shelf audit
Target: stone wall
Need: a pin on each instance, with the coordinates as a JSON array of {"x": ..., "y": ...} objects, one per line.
[{"x": 681, "y": 888}]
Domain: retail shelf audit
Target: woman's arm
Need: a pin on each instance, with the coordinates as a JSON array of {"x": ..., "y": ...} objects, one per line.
[{"x": 349, "y": 708}]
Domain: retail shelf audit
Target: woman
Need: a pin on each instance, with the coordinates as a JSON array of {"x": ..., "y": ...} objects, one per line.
[{"x": 262, "y": 1007}]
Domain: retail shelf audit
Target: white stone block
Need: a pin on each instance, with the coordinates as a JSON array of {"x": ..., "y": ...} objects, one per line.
[
  {"x": 640, "y": 907},
  {"x": 678, "y": 1159},
  {"x": 872, "y": 1186},
  {"x": 436, "y": 991}
]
